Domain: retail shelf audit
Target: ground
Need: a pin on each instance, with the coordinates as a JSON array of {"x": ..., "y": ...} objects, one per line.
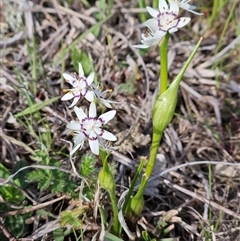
[{"x": 197, "y": 193}]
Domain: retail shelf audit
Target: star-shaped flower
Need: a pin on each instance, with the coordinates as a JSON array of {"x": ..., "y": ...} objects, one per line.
[
  {"x": 100, "y": 95},
  {"x": 184, "y": 5},
  {"x": 80, "y": 88},
  {"x": 90, "y": 127},
  {"x": 164, "y": 20}
]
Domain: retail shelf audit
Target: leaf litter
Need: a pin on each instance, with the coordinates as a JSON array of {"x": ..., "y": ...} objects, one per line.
[{"x": 205, "y": 128}]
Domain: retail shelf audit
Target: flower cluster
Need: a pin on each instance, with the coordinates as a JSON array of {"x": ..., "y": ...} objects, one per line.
[
  {"x": 88, "y": 127},
  {"x": 165, "y": 20}
]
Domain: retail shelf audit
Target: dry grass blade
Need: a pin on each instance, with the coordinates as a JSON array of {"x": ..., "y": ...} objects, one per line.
[{"x": 33, "y": 208}]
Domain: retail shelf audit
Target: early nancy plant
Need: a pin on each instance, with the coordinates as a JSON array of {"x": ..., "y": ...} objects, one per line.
[{"x": 91, "y": 127}]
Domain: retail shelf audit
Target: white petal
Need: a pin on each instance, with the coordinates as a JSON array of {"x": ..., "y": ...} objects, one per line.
[
  {"x": 74, "y": 125},
  {"x": 162, "y": 5},
  {"x": 67, "y": 96},
  {"x": 153, "y": 12},
  {"x": 150, "y": 42},
  {"x": 182, "y": 22},
  {"x": 159, "y": 34},
  {"x": 166, "y": 28},
  {"x": 141, "y": 46},
  {"x": 90, "y": 79},
  {"x": 92, "y": 110},
  {"x": 80, "y": 113},
  {"x": 188, "y": 7},
  {"x": 75, "y": 100},
  {"x": 94, "y": 146},
  {"x": 183, "y": 5},
  {"x": 191, "y": 11},
  {"x": 108, "y": 136},
  {"x": 89, "y": 96},
  {"x": 174, "y": 8},
  {"x": 79, "y": 139},
  {"x": 152, "y": 24},
  {"x": 74, "y": 149},
  {"x": 106, "y": 117},
  {"x": 173, "y": 30},
  {"x": 69, "y": 78},
  {"x": 106, "y": 102},
  {"x": 80, "y": 70},
  {"x": 97, "y": 129}
]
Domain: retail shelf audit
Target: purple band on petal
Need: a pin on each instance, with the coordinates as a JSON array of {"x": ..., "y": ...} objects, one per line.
[
  {"x": 102, "y": 131},
  {"x": 85, "y": 81},
  {"x": 90, "y": 138},
  {"x": 85, "y": 134},
  {"x": 101, "y": 120},
  {"x": 76, "y": 96},
  {"x": 85, "y": 119},
  {"x": 93, "y": 138},
  {"x": 81, "y": 127}
]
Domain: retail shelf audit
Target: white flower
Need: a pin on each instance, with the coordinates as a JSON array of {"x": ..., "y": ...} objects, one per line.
[
  {"x": 164, "y": 20},
  {"x": 101, "y": 94},
  {"x": 80, "y": 87},
  {"x": 91, "y": 128},
  {"x": 184, "y": 5}
]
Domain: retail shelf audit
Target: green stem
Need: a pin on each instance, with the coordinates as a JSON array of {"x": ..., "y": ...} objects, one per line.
[
  {"x": 223, "y": 34},
  {"x": 155, "y": 4},
  {"x": 133, "y": 182},
  {"x": 163, "y": 51},
  {"x": 157, "y": 136},
  {"x": 116, "y": 226},
  {"x": 107, "y": 182},
  {"x": 142, "y": 16},
  {"x": 214, "y": 11}
]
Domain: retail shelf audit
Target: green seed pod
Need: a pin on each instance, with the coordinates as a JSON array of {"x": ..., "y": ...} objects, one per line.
[
  {"x": 106, "y": 180},
  {"x": 164, "y": 107},
  {"x": 165, "y": 103}
]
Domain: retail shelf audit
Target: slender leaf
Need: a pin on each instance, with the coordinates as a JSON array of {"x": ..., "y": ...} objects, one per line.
[{"x": 36, "y": 107}]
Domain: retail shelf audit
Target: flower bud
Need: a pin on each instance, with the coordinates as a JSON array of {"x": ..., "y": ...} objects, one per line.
[
  {"x": 106, "y": 180},
  {"x": 165, "y": 103},
  {"x": 164, "y": 107}
]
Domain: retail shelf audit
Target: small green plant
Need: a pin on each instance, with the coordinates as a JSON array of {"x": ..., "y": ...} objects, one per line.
[
  {"x": 74, "y": 218},
  {"x": 10, "y": 193},
  {"x": 87, "y": 169},
  {"x": 12, "y": 196},
  {"x": 54, "y": 179},
  {"x": 146, "y": 236},
  {"x": 81, "y": 57}
]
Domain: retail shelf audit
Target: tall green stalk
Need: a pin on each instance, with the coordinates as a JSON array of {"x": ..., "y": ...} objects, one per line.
[
  {"x": 142, "y": 16},
  {"x": 163, "y": 51},
  {"x": 155, "y": 4},
  {"x": 163, "y": 112}
]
